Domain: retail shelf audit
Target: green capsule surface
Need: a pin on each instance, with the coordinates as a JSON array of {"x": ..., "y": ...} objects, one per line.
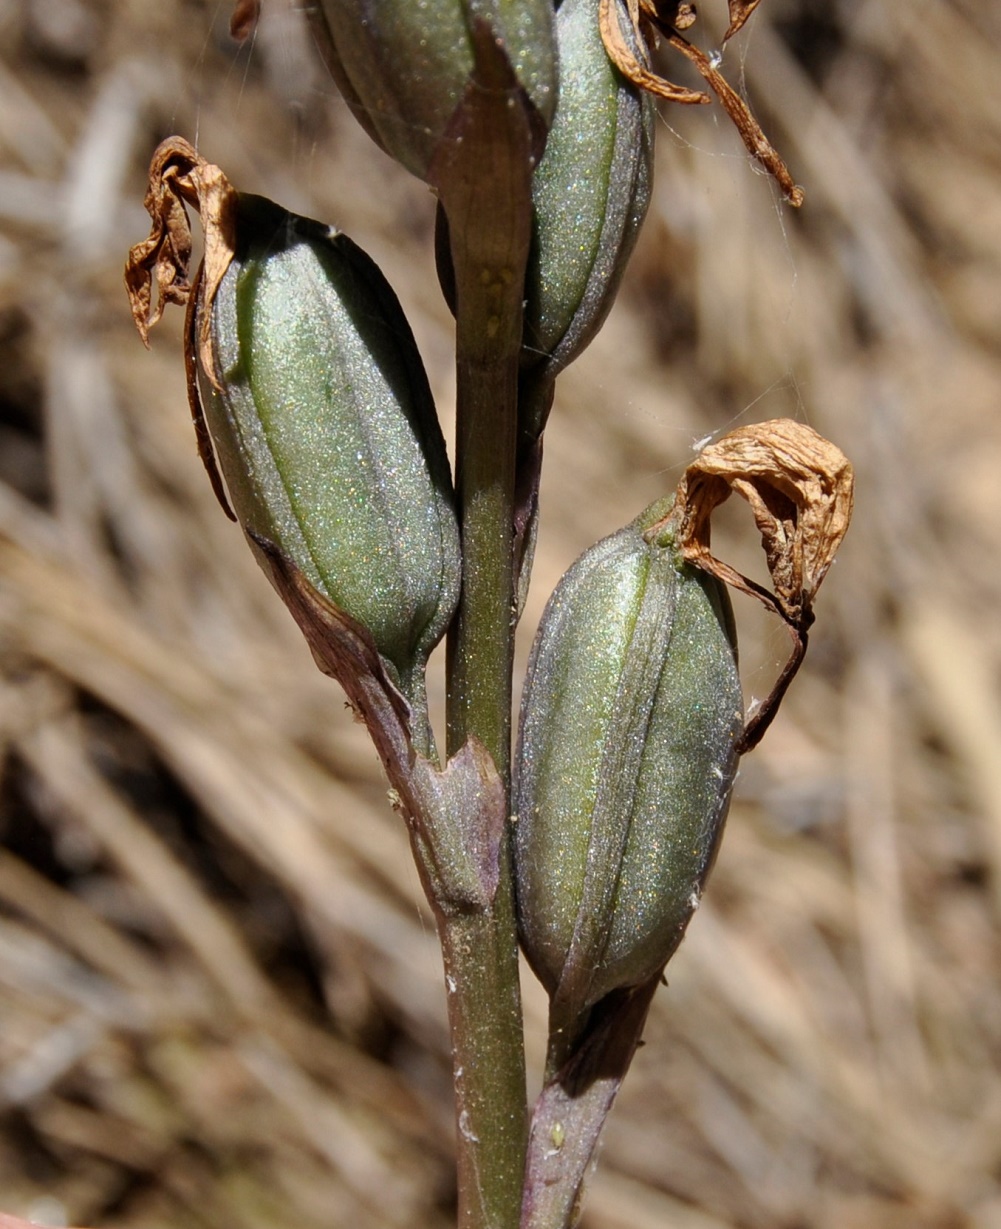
[
  {"x": 591, "y": 191},
  {"x": 326, "y": 432},
  {"x": 406, "y": 63},
  {"x": 626, "y": 757}
]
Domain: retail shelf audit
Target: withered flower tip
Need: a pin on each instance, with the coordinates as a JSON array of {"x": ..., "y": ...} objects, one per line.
[
  {"x": 179, "y": 176},
  {"x": 800, "y": 488},
  {"x": 650, "y": 18}
]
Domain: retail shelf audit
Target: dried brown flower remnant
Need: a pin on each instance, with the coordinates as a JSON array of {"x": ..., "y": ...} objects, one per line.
[
  {"x": 800, "y": 488},
  {"x": 650, "y": 17},
  {"x": 750, "y": 130},
  {"x": 243, "y": 21},
  {"x": 740, "y": 10},
  {"x": 178, "y": 177},
  {"x": 622, "y": 51},
  {"x": 686, "y": 16}
]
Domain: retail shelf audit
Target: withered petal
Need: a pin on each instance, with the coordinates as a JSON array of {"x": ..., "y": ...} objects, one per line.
[
  {"x": 179, "y": 176},
  {"x": 244, "y": 18},
  {"x": 628, "y": 56},
  {"x": 740, "y": 10},
  {"x": 800, "y": 488},
  {"x": 751, "y": 132},
  {"x": 628, "y": 62}
]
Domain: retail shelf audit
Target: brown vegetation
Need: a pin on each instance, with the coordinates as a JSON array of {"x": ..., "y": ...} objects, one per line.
[{"x": 220, "y": 995}]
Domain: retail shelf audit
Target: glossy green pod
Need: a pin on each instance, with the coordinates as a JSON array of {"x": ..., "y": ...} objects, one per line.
[
  {"x": 403, "y": 65},
  {"x": 591, "y": 191},
  {"x": 626, "y": 757},
  {"x": 325, "y": 429}
]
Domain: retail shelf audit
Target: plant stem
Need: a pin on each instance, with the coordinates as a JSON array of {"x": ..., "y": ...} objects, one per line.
[
  {"x": 574, "y": 1103},
  {"x": 480, "y": 951},
  {"x": 484, "y": 178},
  {"x": 481, "y": 651},
  {"x": 488, "y": 1067}
]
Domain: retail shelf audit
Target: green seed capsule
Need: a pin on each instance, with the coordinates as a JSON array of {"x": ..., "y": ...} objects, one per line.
[
  {"x": 591, "y": 191},
  {"x": 325, "y": 429},
  {"x": 626, "y": 757},
  {"x": 403, "y": 65}
]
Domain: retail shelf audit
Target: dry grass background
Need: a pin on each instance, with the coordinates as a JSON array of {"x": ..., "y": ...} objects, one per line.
[{"x": 220, "y": 1000}]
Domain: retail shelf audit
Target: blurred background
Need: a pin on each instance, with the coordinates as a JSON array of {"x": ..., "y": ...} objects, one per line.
[{"x": 220, "y": 992}]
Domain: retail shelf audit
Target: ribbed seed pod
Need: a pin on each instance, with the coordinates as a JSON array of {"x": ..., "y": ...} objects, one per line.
[
  {"x": 626, "y": 757},
  {"x": 325, "y": 429},
  {"x": 403, "y": 65},
  {"x": 591, "y": 191}
]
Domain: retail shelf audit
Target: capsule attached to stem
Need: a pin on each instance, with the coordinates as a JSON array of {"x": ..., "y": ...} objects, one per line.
[
  {"x": 627, "y": 753},
  {"x": 322, "y": 420}
]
